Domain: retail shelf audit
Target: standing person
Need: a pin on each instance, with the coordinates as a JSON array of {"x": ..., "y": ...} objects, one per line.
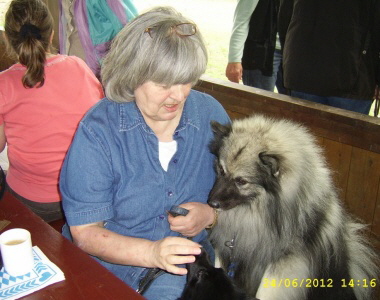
[
  {"x": 143, "y": 149},
  {"x": 255, "y": 52},
  {"x": 331, "y": 51},
  {"x": 42, "y": 99}
]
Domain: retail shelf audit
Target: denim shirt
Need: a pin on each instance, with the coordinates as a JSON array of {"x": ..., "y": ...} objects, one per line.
[{"x": 112, "y": 171}]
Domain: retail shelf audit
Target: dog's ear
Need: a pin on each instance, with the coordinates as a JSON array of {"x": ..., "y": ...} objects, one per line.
[
  {"x": 220, "y": 131},
  {"x": 271, "y": 162}
]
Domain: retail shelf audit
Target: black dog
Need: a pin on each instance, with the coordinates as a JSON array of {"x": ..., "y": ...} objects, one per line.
[{"x": 205, "y": 282}]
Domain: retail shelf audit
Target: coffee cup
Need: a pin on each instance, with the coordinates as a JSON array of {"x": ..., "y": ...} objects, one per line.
[{"x": 16, "y": 251}]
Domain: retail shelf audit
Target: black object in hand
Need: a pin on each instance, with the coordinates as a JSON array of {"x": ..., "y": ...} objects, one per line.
[{"x": 176, "y": 211}]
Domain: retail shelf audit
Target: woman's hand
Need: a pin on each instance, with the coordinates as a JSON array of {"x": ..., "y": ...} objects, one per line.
[
  {"x": 199, "y": 217},
  {"x": 172, "y": 251},
  {"x": 119, "y": 249}
]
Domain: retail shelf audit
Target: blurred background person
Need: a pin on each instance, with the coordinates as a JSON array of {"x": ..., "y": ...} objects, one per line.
[
  {"x": 331, "y": 51},
  {"x": 254, "y": 51}
]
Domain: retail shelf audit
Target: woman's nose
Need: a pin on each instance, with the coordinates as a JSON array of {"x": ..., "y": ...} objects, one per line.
[{"x": 178, "y": 92}]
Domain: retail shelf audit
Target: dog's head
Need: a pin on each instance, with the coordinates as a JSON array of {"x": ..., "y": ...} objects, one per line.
[
  {"x": 246, "y": 168},
  {"x": 205, "y": 282},
  {"x": 267, "y": 166}
]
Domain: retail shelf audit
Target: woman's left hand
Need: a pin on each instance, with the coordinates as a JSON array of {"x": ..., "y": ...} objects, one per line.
[{"x": 199, "y": 217}]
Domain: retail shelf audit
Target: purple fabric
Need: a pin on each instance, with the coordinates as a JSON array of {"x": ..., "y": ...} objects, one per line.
[
  {"x": 93, "y": 53},
  {"x": 119, "y": 10},
  {"x": 81, "y": 22}
]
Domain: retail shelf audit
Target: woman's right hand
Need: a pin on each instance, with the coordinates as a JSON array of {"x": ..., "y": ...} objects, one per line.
[{"x": 170, "y": 252}]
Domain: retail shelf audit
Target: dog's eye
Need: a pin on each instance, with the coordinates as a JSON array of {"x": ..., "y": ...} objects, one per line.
[{"x": 240, "y": 181}]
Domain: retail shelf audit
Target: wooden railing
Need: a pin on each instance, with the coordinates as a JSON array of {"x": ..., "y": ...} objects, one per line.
[{"x": 351, "y": 141}]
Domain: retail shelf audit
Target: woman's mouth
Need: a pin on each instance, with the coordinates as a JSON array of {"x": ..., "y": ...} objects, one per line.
[{"x": 171, "y": 107}]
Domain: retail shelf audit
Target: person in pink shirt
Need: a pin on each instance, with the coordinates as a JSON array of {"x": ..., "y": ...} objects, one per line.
[{"x": 42, "y": 99}]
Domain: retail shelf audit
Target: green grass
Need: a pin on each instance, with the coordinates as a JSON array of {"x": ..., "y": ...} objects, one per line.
[
  {"x": 218, "y": 54},
  {"x": 371, "y": 113}
]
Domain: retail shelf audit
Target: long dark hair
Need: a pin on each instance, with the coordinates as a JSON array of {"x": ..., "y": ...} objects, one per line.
[{"x": 28, "y": 28}]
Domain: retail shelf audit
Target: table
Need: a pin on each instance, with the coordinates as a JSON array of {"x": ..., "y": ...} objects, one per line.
[{"x": 85, "y": 277}]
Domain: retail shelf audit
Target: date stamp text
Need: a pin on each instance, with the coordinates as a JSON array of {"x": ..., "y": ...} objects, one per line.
[{"x": 318, "y": 283}]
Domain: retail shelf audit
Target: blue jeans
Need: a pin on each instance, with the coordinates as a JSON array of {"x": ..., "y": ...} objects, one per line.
[
  {"x": 255, "y": 78},
  {"x": 360, "y": 106}
]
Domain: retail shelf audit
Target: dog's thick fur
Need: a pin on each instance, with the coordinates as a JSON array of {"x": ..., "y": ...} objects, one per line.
[
  {"x": 205, "y": 282},
  {"x": 276, "y": 199}
]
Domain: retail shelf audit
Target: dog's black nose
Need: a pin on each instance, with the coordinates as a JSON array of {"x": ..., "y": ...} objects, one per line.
[{"x": 214, "y": 204}]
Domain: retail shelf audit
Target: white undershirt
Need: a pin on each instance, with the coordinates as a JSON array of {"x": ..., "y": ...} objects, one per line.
[{"x": 166, "y": 151}]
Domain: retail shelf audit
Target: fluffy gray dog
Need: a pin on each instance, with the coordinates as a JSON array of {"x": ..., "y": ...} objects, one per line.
[{"x": 282, "y": 233}]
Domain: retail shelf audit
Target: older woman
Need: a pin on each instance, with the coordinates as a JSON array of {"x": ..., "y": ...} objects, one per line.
[{"x": 143, "y": 149}]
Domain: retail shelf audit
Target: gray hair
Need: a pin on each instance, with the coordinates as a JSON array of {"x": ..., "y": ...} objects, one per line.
[{"x": 165, "y": 58}]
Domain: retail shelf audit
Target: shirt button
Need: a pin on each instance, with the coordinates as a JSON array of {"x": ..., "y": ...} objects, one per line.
[
  {"x": 162, "y": 217},
  {"x": 175, "y": 161},
  {"x": 170, "y": 193},
  {"x": 176, "y": 133}
]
